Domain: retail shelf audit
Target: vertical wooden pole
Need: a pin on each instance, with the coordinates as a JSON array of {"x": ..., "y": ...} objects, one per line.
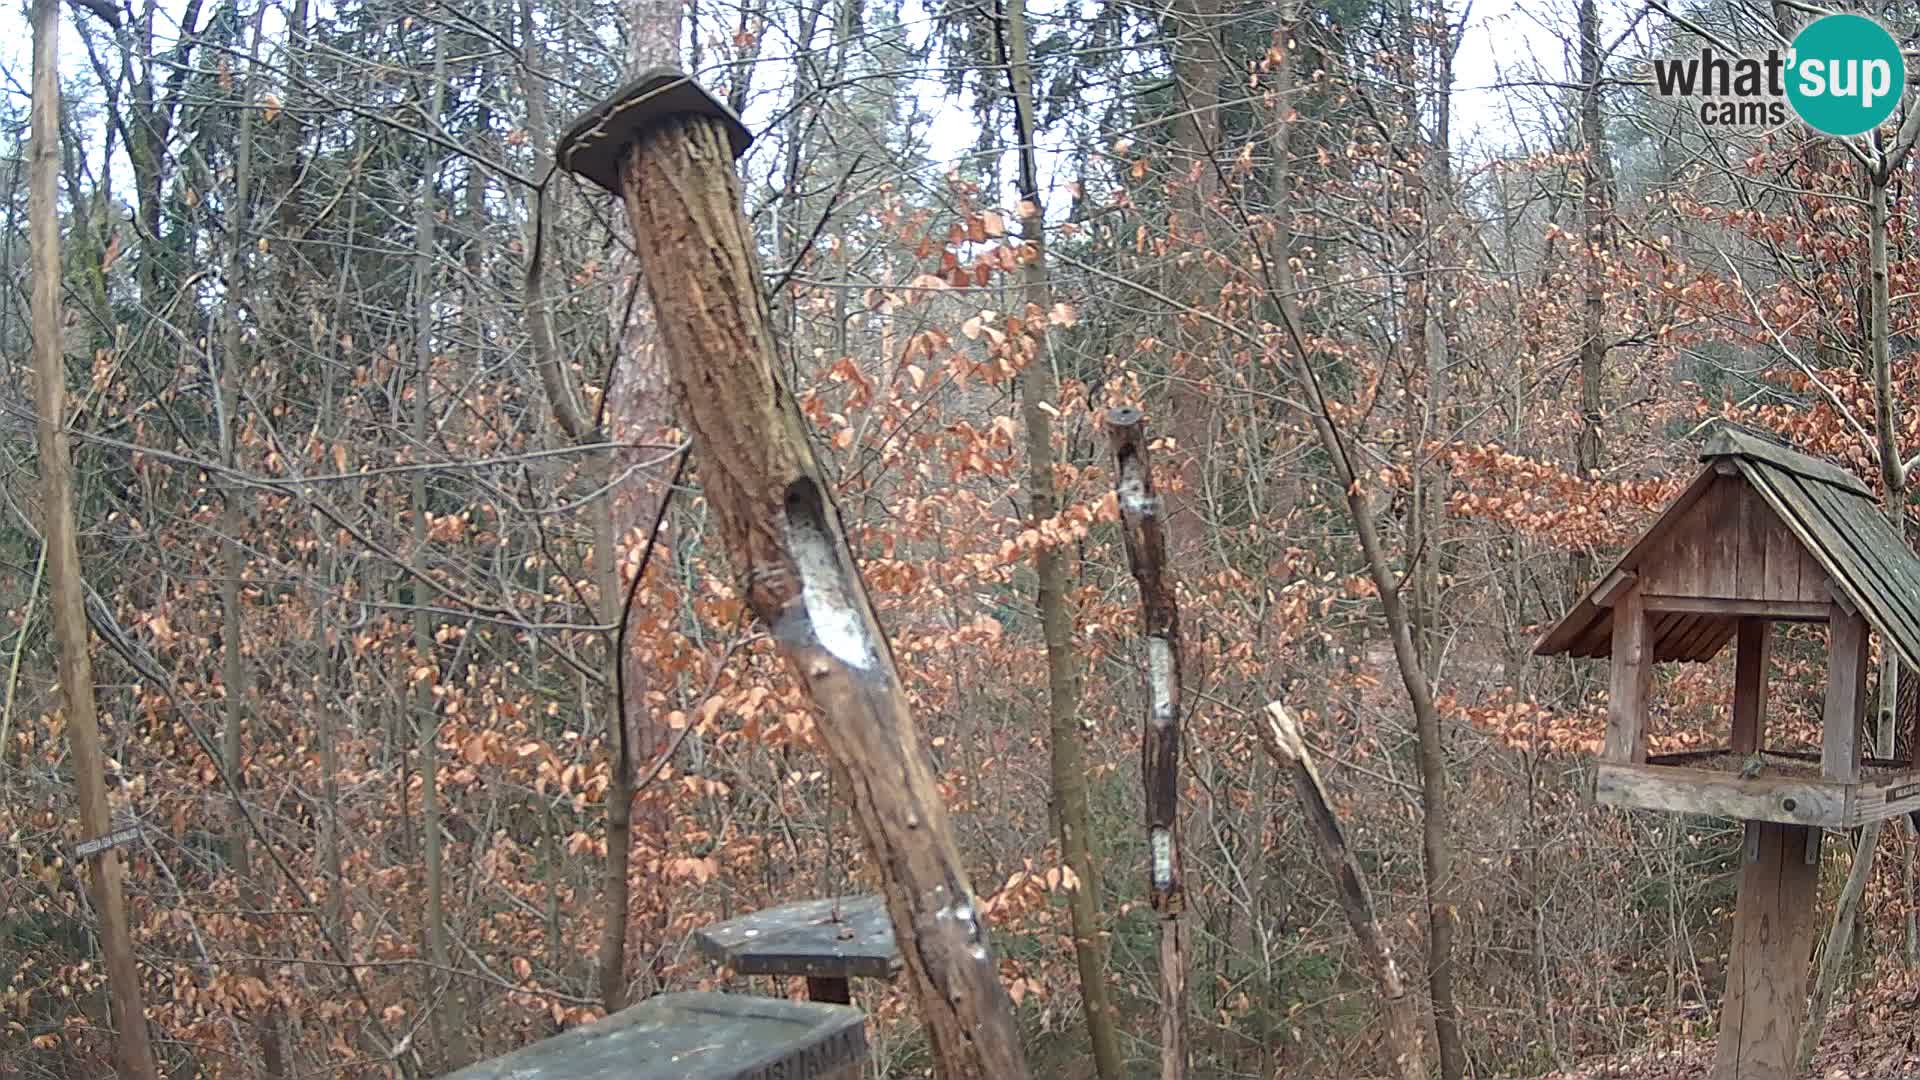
[
  {"x": 774, "y": 514},
  {"x": 1766, "y": 1002},
  {"x": 1632, "y": 671},
  {"x": 1752, "y": 651},
  {"x": 1845, "y": 711},
  {"x": 1142, "y": 524}
]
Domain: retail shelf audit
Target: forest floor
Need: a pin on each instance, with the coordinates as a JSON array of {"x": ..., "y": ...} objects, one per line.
[{"x": 1875, "y": 1037}]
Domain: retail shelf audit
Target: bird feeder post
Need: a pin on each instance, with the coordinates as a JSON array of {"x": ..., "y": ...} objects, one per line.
[
  {"x": 666, "y": 147},
  {"x": 1763, "y": 534}
]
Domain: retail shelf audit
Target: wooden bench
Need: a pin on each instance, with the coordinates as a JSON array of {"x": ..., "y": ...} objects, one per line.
[
  {"x": 696, "y": 1036},
  {"x": 827, "y": 941}
]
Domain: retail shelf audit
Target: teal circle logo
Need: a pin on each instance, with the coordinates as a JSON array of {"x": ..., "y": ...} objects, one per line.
[{"x": 1846, "y": 74}]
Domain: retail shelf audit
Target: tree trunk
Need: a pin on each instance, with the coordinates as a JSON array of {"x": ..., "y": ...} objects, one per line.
[
  {"x": 450, "y": 1016},
  {"x": 1437, "y": 849},
  {"x": 773, "y": 515},
  {"x": 1037, "y": 393},
  {"x": 1595, "y": 208},
  {"x": 134, "y": 1052},
  {"x": 1840, "y": 933}
]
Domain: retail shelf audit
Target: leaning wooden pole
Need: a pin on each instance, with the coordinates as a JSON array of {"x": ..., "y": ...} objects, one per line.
[
  {"x": 667, "y": 147},
  {"x": 1281, "y": 734},
  {"x": 64, "y": 587},
  {"x": 1142, "y": 526}
]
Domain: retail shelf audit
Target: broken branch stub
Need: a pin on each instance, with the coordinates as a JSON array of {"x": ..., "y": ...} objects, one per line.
[
  {"x": 1281, "y": 736},
  {"x": 776, "y": 518}
]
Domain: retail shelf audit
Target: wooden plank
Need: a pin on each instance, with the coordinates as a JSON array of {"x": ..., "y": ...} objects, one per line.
[
  {"x": 1880, "y": 800},
  {"x": 1780, "y": 610},
  {"x": 1880, "y": 572},
  {"x": 1668, "y": 643},
  {"x": 836, "y": 938},
  {"x": 1660, "y": 629},
  {"x": 1752, "y": 523},
  {"x": 1785, "y": 555},
  {"x": 1685, "y": 565},
  {"x": 1844, "y": 712},
  {"x": 1810, "y": 519},
  {"x": 1765, "y": 1003},
  {"x": 1721, "y": 794},
  {"x": 1750, "y": 666},
  {"x": 1632, "y": 668},
  {"x": 1597, "y": 641},
  {"x": 1709, "y": 633},
  {"x": 1611, "y": 586},
  {"x": 696, "y": 1036},
  {"x": 1723, "y": 630}
]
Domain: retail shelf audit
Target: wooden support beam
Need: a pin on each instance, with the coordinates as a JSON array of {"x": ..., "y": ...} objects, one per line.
[
  {"x": 1753, "y": 649},
  {"x": 1733, "y": 607},
  {"x": 1632, "y": 670},
  {"x": 1607, "y": 593},
  {"x": 1844, "y": 714},
  {"x": 1765, "y": 1004},
  {"x": 774, "y": 515}
]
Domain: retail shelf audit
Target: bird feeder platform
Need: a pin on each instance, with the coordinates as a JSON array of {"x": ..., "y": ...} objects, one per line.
[
  {"x": 698, "y": 1036},
  {"x": 1787, "y": 787},
  {"x": 826, "y": 941},
  {"x": 1762, "y": 535}
]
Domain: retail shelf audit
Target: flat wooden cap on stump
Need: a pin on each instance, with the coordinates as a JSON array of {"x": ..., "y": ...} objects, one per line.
[
  {"x": 697, "y": 1036},
  {"x": 595, "y": 144}
]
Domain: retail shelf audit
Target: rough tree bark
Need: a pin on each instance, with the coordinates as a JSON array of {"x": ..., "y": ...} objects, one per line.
[
  {"x": 1281, "y": 736},
  {"x": 1069, "y": 756},
  {"x": 1595, "y": 212},
  {"x": 64, "y": 587},
  {"x": 775, "y": 517},
  {"x": 1141, "y": 526}
]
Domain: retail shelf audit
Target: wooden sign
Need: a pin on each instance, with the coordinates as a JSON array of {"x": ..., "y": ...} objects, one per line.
[{"x": 89, "y": 848}]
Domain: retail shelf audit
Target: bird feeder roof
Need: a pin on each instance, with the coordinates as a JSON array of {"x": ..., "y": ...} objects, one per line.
[{"x": 1829, "y": 514}]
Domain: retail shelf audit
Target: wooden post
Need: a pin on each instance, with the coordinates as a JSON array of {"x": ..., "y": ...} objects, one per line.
[
  {"x": 667, "y": 148},
  {"x": 1281, "y": 736},
  {"x": 1632, "y": 670},
  {"x": 1766, "y": 1002},
  {"x": 1142, "y": 526},
  {"x": 1845, "y": 711},
  {"x": 1752, "y": 650}
]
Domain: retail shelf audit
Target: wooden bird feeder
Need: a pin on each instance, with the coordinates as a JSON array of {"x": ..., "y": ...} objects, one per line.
[
  {"x": 827, "y": 941},
  {"x": 697, "y": 1036},
  {"x": 1762, "y": 535}
]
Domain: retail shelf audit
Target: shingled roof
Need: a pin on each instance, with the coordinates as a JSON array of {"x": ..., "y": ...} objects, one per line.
[{"x": 1829, "y": 511}]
